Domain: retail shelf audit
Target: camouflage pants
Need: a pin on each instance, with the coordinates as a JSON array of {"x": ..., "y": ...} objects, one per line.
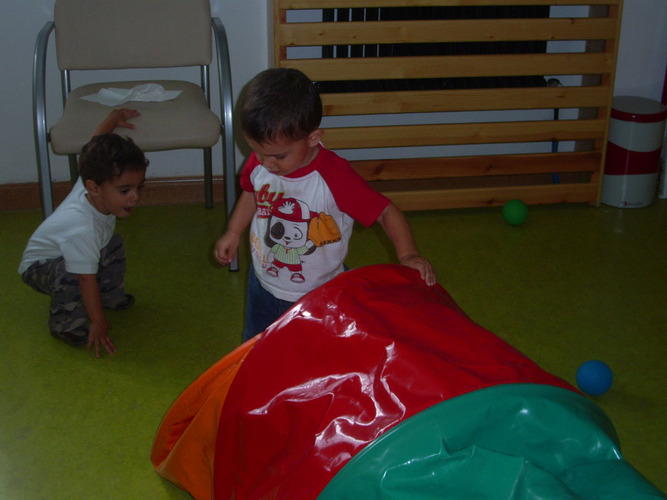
[{"x": 68, "y": 319}]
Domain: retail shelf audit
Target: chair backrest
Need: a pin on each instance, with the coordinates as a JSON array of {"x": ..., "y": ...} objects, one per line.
[{"x": 112, "y": 34}]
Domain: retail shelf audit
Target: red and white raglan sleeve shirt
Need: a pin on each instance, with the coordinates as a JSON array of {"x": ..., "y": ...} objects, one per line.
[{"x": 328, "y": 185}]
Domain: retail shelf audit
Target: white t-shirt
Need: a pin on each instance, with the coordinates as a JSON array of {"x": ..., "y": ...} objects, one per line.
[
  {"x": 285, "y": 259},
  {"x": 76, "y": 230}
]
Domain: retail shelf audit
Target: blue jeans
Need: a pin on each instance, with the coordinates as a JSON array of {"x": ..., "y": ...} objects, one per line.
[{"x": 261, "y": 308}]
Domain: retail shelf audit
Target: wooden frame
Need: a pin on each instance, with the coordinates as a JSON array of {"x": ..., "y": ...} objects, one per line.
[{"x": 573, "y": 174}]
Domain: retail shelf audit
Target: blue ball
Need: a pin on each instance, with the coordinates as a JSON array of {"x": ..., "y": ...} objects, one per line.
[{"x": 594, "y": 377}]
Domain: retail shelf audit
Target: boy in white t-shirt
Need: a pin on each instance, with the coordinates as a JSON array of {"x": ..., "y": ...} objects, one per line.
[
  {"x": 74, "y": 255},
  {"x": 300, "y": 201}
]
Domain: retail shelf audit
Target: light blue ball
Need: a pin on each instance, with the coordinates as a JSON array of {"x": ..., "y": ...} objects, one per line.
[{"x": 594, "y": 377}]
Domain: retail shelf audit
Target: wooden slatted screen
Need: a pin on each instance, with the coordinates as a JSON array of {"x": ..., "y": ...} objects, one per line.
[{"x": 541, "y": 144}]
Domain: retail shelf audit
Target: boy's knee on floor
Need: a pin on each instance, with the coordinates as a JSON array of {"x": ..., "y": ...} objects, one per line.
[{"x": 75, "y": 339}]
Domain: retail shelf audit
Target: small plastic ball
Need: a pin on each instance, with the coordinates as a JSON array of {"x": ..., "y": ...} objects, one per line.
[
  {"x": 594, "y": 377},
  {"x": 515, "y": 212}
]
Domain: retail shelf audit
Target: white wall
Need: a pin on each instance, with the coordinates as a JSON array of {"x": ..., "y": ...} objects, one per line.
[
  {"x": 641, "y": 71},
  {"x": 642, "y": 54}
]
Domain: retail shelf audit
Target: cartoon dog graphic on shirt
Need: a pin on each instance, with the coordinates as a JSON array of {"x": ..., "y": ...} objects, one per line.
[{"x": 294, "y": 231}]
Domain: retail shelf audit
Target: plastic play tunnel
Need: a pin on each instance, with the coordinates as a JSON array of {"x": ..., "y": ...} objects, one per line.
[{"x": 377, "y": 386}]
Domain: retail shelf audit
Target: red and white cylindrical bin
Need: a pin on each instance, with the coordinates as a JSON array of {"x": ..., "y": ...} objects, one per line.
[{"x": 631, "y": 168}]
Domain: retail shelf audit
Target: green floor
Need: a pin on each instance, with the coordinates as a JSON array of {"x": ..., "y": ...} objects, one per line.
[{"x": 574, "y": 283}]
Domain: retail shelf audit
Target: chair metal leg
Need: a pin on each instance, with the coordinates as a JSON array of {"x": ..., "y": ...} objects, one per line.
[
  {"x": 39, "y": 119},
  {"x": 44, "y": 173},
  {"x": 225, "y": 85},
  {"x": 230, "y": 185},
  {"x": 73, "y": 168},
  {"x": 230, "y": 188},
  {"x": 208, "y": 178}
]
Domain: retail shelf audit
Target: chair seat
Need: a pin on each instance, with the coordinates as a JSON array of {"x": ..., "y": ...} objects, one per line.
[{"x": 184, "y": 122}]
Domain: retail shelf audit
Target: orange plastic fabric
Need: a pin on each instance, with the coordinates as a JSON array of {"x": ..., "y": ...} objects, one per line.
[
  {"x": 183, "y": 449},
  {"x": 348, "y": 362}
]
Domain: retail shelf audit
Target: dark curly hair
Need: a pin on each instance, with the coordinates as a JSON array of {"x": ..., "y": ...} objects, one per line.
[
  {"x": 280, "y": 103},
  {"x": 107, "y": 156}
]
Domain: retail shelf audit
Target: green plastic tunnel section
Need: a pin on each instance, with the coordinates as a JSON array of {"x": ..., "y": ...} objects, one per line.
[{"x": 514, "y": 441}]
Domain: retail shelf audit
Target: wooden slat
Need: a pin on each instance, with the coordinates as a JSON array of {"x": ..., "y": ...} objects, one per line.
[
  {"x": 452, "y": 66},
  {"x": 463, "y": 133},
  {"x": 495, "y": 196},
  {"x": 464, "y": 100},
  {"x": 473, "y": 181},
  {"x": 468, "y": 30},
  {"x": 327, "y": 4},
  {"x": 476, "y": 166}
]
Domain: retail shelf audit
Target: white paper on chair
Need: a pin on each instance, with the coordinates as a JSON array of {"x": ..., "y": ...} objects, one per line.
[{"x": 146, "y": 92}]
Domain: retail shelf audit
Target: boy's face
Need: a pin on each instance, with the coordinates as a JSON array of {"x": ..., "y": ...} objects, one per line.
[
  {"x": 118, "y": 196},
  {"x": 284, "y": 156}
]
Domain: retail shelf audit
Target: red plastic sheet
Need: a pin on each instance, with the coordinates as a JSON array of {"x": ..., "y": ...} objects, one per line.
[
  {"x": 183, "y": 450},
  {"x": 352, "y": 359}
]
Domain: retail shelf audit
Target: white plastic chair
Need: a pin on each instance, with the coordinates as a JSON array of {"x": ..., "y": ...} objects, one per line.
[{"x": 130, "y": 34}]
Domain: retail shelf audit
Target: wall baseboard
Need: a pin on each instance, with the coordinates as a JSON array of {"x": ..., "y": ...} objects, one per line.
[{"x": 158, "y": 191}]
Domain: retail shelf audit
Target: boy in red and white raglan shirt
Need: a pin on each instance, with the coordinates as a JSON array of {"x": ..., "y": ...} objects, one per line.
[{"x": 300, "y": 200}]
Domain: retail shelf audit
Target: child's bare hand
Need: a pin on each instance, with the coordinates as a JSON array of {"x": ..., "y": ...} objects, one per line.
[
  {"x": 120, "y": 116},
  {"x": 98, "y": 336},
  {"x": 226, "y": 247},
  {"x": 117, "y": 118},
  {"x": 422, "y": 265}
]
